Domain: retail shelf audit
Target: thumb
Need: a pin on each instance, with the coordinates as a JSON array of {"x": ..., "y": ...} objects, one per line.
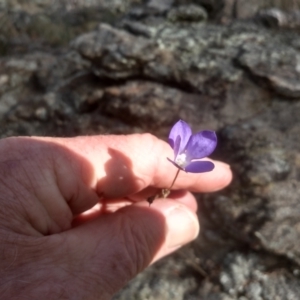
[{"x": 114, "y": 248}]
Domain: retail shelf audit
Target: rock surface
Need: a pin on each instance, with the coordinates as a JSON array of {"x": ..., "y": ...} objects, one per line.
[{"x": 136, "y": 66}]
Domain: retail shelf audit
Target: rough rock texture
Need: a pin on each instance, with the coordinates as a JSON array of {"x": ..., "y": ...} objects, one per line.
[{"x": 136, "y": 66}]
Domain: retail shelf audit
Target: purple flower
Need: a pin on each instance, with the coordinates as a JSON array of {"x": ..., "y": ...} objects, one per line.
[{"x": 188, "y": 147}]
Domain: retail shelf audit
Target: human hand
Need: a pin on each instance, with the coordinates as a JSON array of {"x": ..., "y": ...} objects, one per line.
[{"x": 54, "y": 246}]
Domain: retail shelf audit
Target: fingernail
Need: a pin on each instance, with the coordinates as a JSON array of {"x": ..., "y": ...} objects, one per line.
[{"x": 183, "y": 226}]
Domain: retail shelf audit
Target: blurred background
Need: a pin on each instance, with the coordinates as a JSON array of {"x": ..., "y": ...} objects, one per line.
[{"x": 88, "y": 67}]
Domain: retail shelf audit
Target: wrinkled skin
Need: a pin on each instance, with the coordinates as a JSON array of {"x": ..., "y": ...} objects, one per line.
[{"x": 56, "y": 244}]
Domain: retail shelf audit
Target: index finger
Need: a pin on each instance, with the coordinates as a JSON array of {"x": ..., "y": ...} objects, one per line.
[{"x": 125, "y": 165}]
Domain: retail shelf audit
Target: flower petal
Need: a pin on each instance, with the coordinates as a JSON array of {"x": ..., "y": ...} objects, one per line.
[
  {"x": 201, "y": 144},
  {"x": 180, "y": 129},
  {"x": 176, "y": 147},
  {"x": 199, "y": 167}
]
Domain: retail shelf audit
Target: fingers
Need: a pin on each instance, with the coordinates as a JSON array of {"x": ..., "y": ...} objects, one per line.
[
  {"x": 81, "y": 171},
  {"x": 125, "y": 165},
  {"x": 127, "y": 241},
  {"x": 99, "y": 209}
]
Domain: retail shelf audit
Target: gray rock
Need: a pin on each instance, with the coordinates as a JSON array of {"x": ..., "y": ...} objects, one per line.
[
  {"x": 277, "y": 18},
  {"x": 272, "y": 13},
  {"x": 245, "y": 277},
  {"x": 175, "y": 54},
  {"x": 160, "y": 6},
  {"x": 264, "y": 151},
  {"x": 140, "y": 103},
  {"x": 53, "y": 22},
  {"x": 168, "y": 285},
  {"x": 279, "y": 66},
  {"x": 114, "y": 53},
  {"x": 187, "y": 13}
]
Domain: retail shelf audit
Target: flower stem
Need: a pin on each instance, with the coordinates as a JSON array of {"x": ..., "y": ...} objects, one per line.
[
  {"x": 174, "y": 179},
  {"x": 164, "y": 192}
]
